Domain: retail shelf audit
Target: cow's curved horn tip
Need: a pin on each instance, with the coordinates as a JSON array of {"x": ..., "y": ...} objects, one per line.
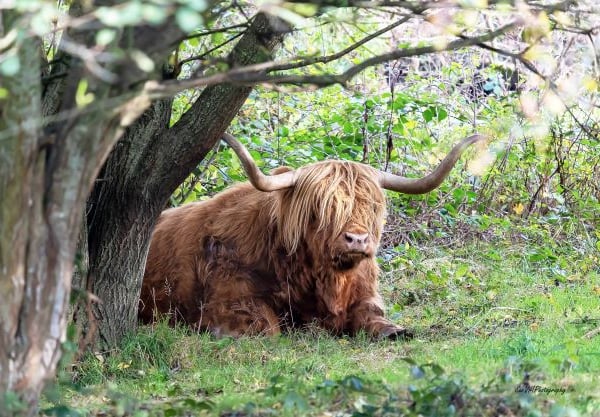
[
  {"x": 396, "y": 333},
  {"x": 480, "y": 137}
]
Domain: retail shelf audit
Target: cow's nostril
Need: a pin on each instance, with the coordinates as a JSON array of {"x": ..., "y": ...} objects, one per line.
[{"x": 356, "y": 241}]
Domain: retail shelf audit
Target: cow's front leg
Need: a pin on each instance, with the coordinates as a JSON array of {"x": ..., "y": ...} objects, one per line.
[{"x": 367, "y": 315}]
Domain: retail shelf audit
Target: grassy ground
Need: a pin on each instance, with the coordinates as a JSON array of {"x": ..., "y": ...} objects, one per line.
[{"x": 490, "y": 319}]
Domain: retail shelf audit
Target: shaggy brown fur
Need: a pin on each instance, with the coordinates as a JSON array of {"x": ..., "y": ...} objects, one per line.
[{"x": 253, "y": 262}]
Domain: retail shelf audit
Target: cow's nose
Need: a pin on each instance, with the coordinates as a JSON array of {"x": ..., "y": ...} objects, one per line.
[{"x": 356, "y": 242}]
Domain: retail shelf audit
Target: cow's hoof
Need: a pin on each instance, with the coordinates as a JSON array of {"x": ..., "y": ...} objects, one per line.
[{"x": 396, "y": 333}]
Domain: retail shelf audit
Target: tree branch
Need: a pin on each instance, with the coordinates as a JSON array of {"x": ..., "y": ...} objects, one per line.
[
  {"x": 549, "y": 83},
  {"x": 219, "y": 46},
  {"x": 198, "y": 129},
  {"x": 418, "y": 7},
  {"x": 338, "y": 55},
  {"x": 216, "y": 30},
  {"x": 257, "y": 73}
]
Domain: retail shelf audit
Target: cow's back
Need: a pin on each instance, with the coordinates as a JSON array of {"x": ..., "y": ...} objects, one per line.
[{"x": 177, "y": 272}]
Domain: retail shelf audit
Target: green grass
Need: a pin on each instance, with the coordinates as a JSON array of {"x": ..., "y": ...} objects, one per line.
[{"x": 486, "y": 317}]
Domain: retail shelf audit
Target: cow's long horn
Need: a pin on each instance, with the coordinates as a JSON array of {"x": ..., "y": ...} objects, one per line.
[
  {"x": 430, "y": 182},
  {"x": 259, "y": 180}
]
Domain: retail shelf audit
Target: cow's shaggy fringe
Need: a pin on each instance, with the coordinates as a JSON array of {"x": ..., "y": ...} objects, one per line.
[{"x": 336, "y": 193}]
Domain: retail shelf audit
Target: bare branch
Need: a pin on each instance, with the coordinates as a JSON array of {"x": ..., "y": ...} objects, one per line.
[
  {"x": 217, "y": 47},
  {"x": 338, "y": 55},
  {"x": 257, "y": 73},
  {"x": 90, "y": 58},
  {"x": 551, "y": 85},
  {"x": 216, "y": 30},
  {"x": 418, "y": 7}
]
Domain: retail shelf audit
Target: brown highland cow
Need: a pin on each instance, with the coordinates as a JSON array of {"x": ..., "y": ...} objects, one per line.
[{"x": 280, "y": 251}]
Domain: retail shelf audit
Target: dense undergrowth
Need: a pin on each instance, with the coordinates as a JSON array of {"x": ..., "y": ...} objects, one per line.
[{"x": 507, "y": 325}]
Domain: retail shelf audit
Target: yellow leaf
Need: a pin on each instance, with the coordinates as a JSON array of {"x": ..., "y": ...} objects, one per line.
[
  {"x": 476, "y": 4},
  {"x": 534, "y": 326},
  {"x": 590, "y": 84},
  {"x": 518, "y": 209},
  {"x": 538, "y": 28},
  {"x": 553, "y": 103},
  {"x": 562, "y": 18},
  {"x": 596, "y": 290}
]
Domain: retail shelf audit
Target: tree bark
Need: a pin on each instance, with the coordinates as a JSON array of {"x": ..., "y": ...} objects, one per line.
[
  {"x": 140, "y": 175},
  {"x": 44, "y": 181},
  {"x": 46, "y": 173},
  {"x": 28, "y": 256}
]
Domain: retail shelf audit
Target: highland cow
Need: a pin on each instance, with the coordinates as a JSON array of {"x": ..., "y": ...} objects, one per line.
[{"x": 279, "y": 252}]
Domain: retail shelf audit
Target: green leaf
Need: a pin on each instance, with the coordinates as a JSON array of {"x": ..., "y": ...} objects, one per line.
[
  {"x": 303, "y": 9},
  {"x": 284, "y": 131},
  {"x": 142, "y": 60},
  {"x": 62, "y": 411},
  {"x": 293, "y": 400},
  {"x": 11, "y": 65},
  {"x": 105, "y": 36},
  {"x": 188, "y": 19},
  {"x": 191, "y": 403},
  {"x": 441, "y": 114},
  {"x": 82, "y": 97},
  {"x": 197, "y": 5},
  {"x": 171, "y": 412},
  {"x": 459, "y": 195},
  {"x": 427, "y": 115},
  {"x": 348, "y": 127},
  {"x": 129, "y": 14},
  {"x": 562, "y": 411},
  {"x": 436, "y": 369},
  {"x": 354, "y": 383},
  {"x": 41, "y": 20},
  {"x": 153, "y": 13},
  {"x": 408, "y": 360},
  {"x": 417, "y": 372}
]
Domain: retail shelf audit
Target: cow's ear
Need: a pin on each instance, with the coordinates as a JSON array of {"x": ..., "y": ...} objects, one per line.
[{"x": 280, "y": 170}]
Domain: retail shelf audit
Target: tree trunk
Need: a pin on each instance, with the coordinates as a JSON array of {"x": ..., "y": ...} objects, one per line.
[
  {"x": 143, "y": 170},
  {"x": 34, "y": 269},
  {"x": 46, "y": 173},
  {"x": 44, "y": 181}
]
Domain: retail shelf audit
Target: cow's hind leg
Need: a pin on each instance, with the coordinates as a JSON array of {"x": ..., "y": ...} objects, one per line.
[
  {"x": 232, "y": 305},
  {"x": 241, "y": 317},
  {"x": 232, "y": 308}
]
